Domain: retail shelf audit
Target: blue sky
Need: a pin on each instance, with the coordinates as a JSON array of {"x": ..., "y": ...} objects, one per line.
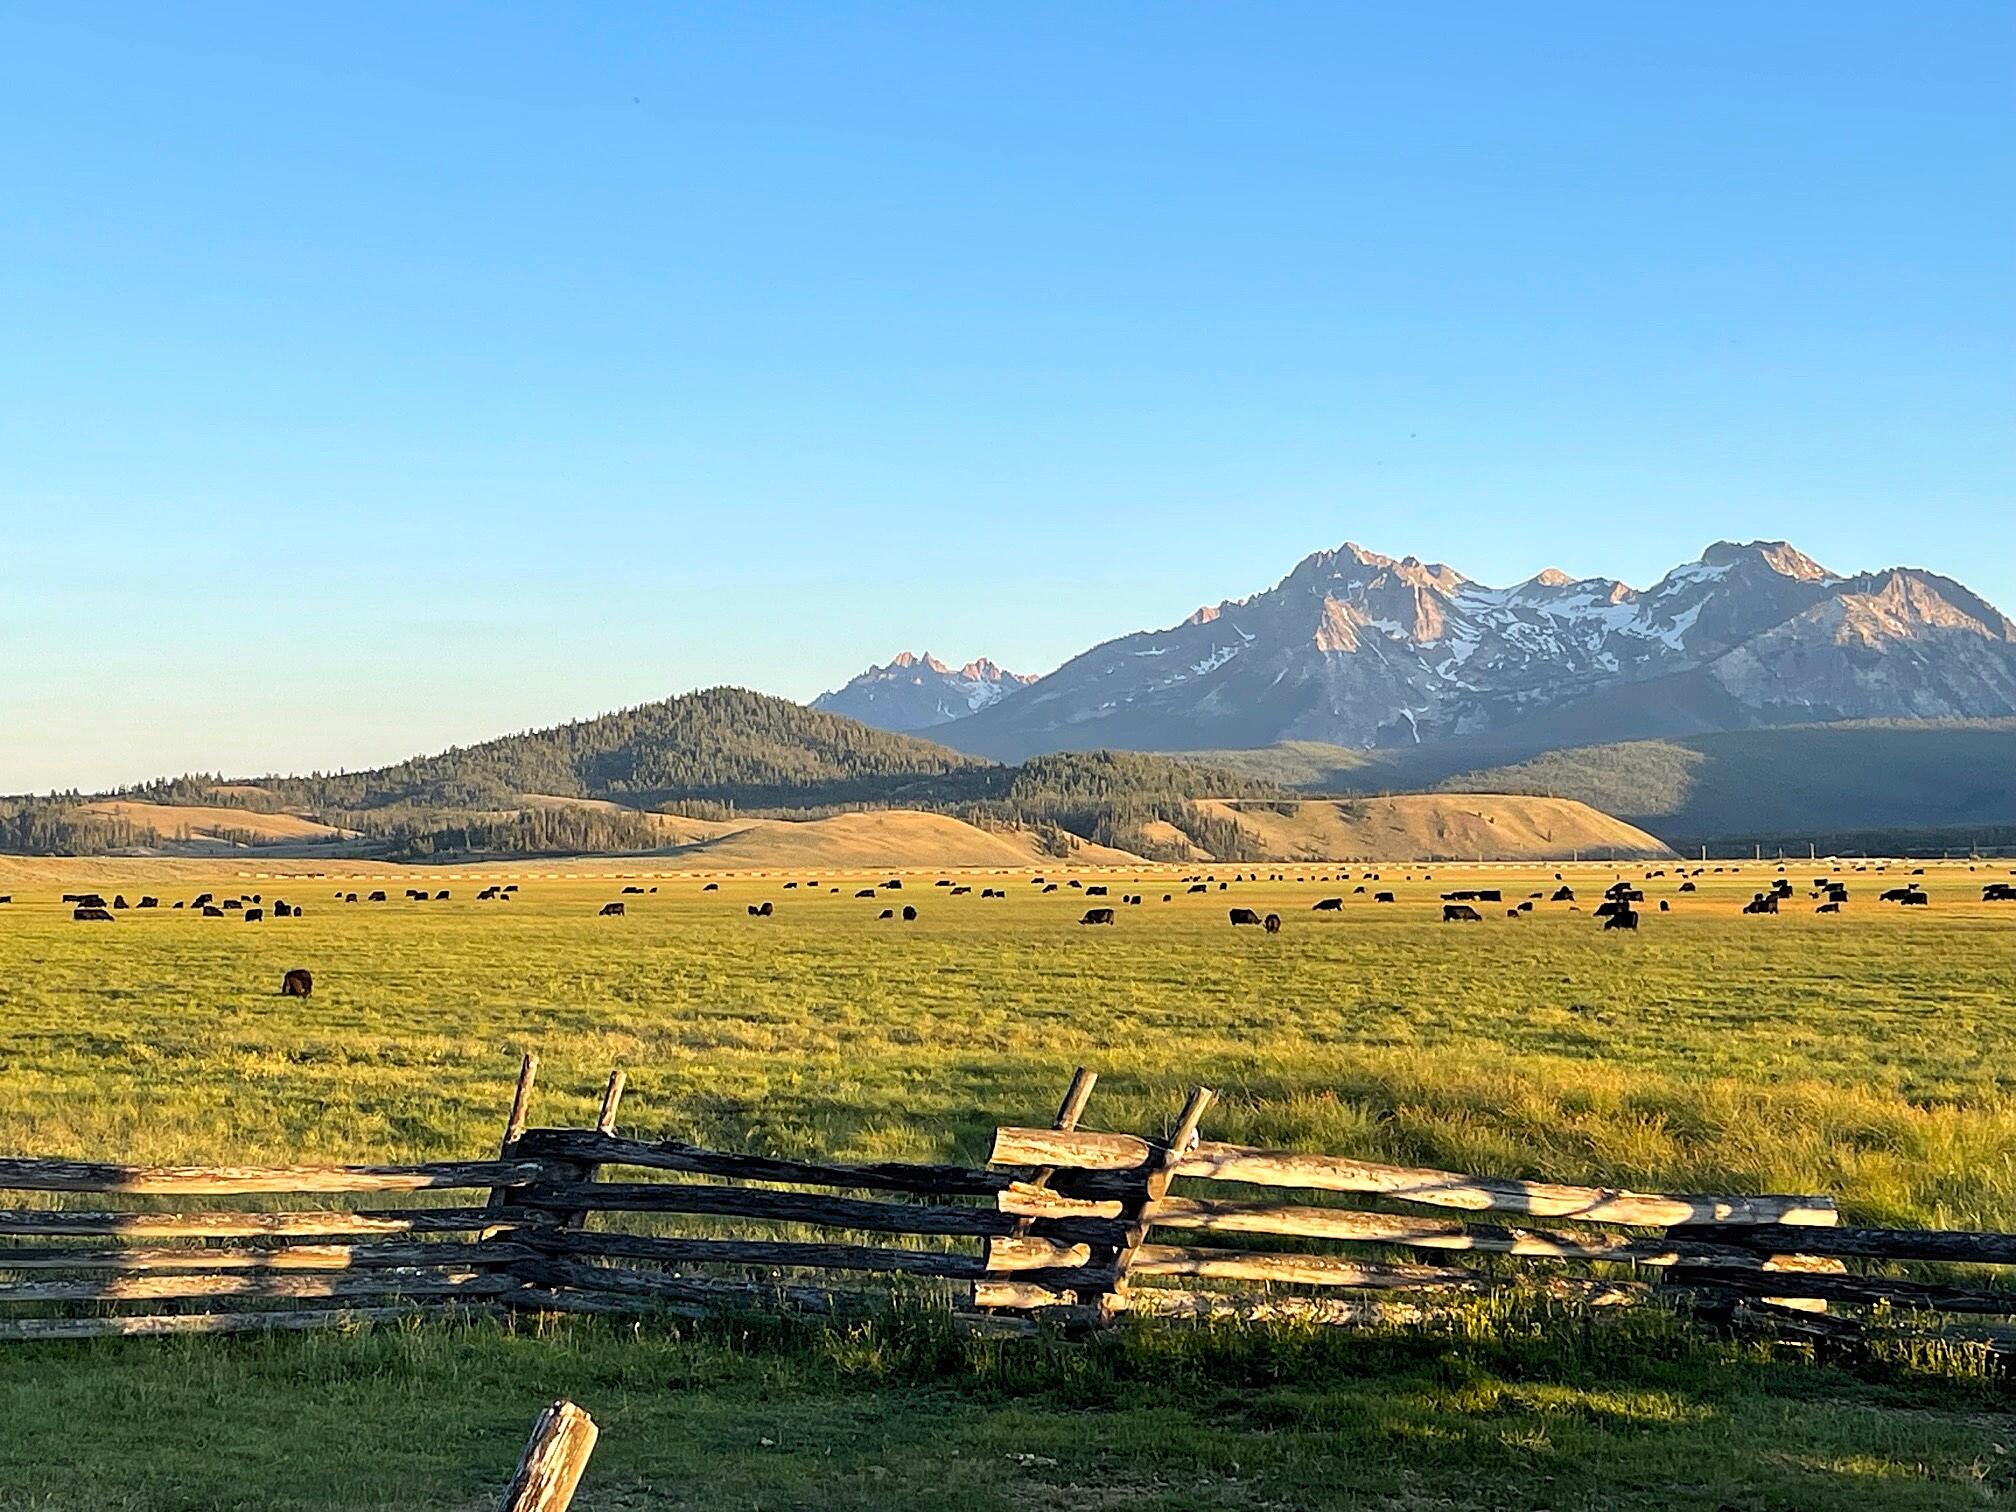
[{"x": 379, "y": 377}]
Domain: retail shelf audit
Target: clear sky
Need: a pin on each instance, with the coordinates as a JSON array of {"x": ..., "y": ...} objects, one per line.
[{"x": 377, "y": 377}]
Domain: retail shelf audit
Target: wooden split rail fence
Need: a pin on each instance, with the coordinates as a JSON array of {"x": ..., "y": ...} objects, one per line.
[{"x": 1061, "y": 1223}]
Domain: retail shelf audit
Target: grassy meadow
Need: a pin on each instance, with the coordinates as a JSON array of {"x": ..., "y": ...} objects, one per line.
[{"x": 1868, "y": 1055}]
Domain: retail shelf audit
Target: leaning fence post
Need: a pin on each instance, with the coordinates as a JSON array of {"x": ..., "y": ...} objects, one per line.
[
  {"x": 612, "y": 1095},
  {"x": 550, "y": 1468},
  {"x": 1156, "y": 1172},
  {"x": 514, "y": 1125},
  {"x": 1079, "y": 1093}
]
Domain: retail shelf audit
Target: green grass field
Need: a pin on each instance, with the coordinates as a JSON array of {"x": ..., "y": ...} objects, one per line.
[{"x": 1868, "y": 1056}]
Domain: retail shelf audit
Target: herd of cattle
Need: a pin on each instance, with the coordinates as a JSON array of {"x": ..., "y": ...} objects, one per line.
[{"x": 1617, "y": 910}]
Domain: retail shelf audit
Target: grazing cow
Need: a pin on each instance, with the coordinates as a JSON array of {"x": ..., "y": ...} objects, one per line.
[
  {"x": 486, "y": 895},
  {"x": 866, "y": 892},
  {"x": 1198, "y": 887},
  {"x": 1511, "y": 913},
  {"x": 894, "y": 884},
  {"x": 1049, "y": 887},
  {"x": 611, "y": 911},
  {"x": 254, "y": 915},
  {"x": 1898, "y": 894},
  {"x": 1272, "y": 923},
  {"x": 763, "y": 910},
  {"x": 1687, "y": 887},
  {"x": 416, "y": 894},
  {"x": 1097, "y": 890},
  {"x": 1609, "y": 908},
  {"x": 297, "y": 983},
  {"x": 120, "y": 901},
  {"x": 1994, "y": 892},
  {"x": 1916, "y": 899},
  {"x": 887, "y": 913},
  {"x": 201, "y": 899},
  {"x": 1382, "y": 897},
  {"x": 1664, "y": 906},
  {"x": 1097, "y": 916},
  {"x": 376, "y": 897},
  {"x": 511, "y": 887},
  {"x": 148, "y": 902},
  {"x": 1073, "y": 882},
  {"x": 1828, "y": 908},
  {"x": 959, "y": 892},
  {"x": 349, "y": 897},
  {"x": 1460, "y": 913},
  {"x": 1168, "y": 897},
  {"x": 629, "y": 890},
  {"x": 1762, "y": 903},
  {"x": 942, "y": 882},
  {"x": 230, "y": 904},
  {"x": 790, "y": 886},
  {"x": 712, "y": 887},
  {"x": 6, "y": 898},
  {"x": 1328, "y": 905},
  {"x": 441, "y": 896},
  {"x": 91, "y": 916},
  {"x": 1245, "y": 916},
  {"x": 1624, "y": 918},
  {"x": 90, "y": 900},
  {"x": 909, "y": 914},
  {"x": 1526, "y": 907},
  {"x": 1563, "y": 894},
  {"x": 281, "y": 910}
]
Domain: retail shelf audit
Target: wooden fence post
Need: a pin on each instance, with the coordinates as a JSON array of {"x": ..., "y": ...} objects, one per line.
[
  {"x": 550, "y": 1468},
  {"x": 1079, "y": 1093},
  {"x": 1156, "y": 1173},
  {"x": 612, "y": 1095},
  {"x": 514, "y": 1126}
]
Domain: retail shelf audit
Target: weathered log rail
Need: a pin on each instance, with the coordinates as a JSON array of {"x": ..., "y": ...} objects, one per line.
[{"x": 1064, "y": 1223}]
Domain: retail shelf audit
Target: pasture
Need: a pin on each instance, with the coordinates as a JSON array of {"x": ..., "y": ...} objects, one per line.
[{"x": 1866, "y": 1054}]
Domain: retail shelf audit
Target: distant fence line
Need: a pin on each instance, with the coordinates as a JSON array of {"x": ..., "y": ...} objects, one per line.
[{"x": 1062, "y": 1224}]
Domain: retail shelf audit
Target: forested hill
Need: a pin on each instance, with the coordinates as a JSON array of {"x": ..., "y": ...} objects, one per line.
[
  {"x": 725, "y": 745},
  {"x": 707, "y": 755}
]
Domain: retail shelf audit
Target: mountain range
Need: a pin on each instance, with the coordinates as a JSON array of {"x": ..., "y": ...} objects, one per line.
[
  {"x": 1360, "y": 650},
  {"x": 917, "y": 692}
]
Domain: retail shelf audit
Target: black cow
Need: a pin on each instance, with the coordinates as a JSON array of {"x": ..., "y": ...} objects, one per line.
[
  {"x": 760, "y": 911},
  {"x": 297, "y": 983},
  {"x": 1460, "y": 913},
  {"x": 611, "y": 911},
  {"x": 1899, "y": 894},
  {"x": 887, "y": 913},
  {"x": 376, "y": 897},
  {"x": 1994, "y": 892},
  {"x": 1563, "y": 895},
  {"x": 1272, "y": 923},
  {"x": 1762, "y": 903},
  {"x": 92, "y": 916},
  {"x": 959, "y": 892},
  {"x": 120, "y": 901},
  {"x": 201, "y": 899},
  {"x": 441, "y": 896},
  {"x": 1624, "y": 918},
  {"x": 1198, "y": 887},
  {"x": 866, "y": 892},
  {"x": 281, "y": 910},
  {"x": 1097, "y": 890},
  {"x": 1382, "y": 897},
  {"x": 254, "y": 915},
  {"x": 147, "y": 902},
  {"x": 1328, "y": 905},
  {"x": 629, "y": 890},
  {"x": 1828, "y": 908},
  {"x": 230, "y": 904},
  {"x": 894, "y": 884},
  {"x": 716, "y": 887},
  {"x": 1245, "y": 916},
  {"x": 1687, "y": 887},
  {"x": 212, "y": 911},
  {"x": 1097, "y": 916},
  {"x": 909, "y": 914}
]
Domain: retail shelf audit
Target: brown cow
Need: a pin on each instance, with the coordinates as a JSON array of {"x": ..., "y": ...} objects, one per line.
[
  {"x": 1460, "y": 913},
  {"x": 297, "y": 983},
  {"x": 1097, "y": 916},
  {"x": 1272, "y": 923},
  {"x": 91, "y": 916},
  {"x": 1245, "y": 916},
  {"x": 611, "y": 911}
]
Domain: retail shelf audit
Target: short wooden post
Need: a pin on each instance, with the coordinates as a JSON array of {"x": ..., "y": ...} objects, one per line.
[
  {"x": 612, "y": 1095},
  {"x": 1157, "y": 1172},
  {"x": 550, "y": 1468}
]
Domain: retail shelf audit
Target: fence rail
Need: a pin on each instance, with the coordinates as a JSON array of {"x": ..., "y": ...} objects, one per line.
[{"x": 1063, "y": 1223}]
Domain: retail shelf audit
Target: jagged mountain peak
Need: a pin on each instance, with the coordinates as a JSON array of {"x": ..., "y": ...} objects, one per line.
[
  {"x": 1780, "y": 557},
  {"x": 916, "y": 692}
]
